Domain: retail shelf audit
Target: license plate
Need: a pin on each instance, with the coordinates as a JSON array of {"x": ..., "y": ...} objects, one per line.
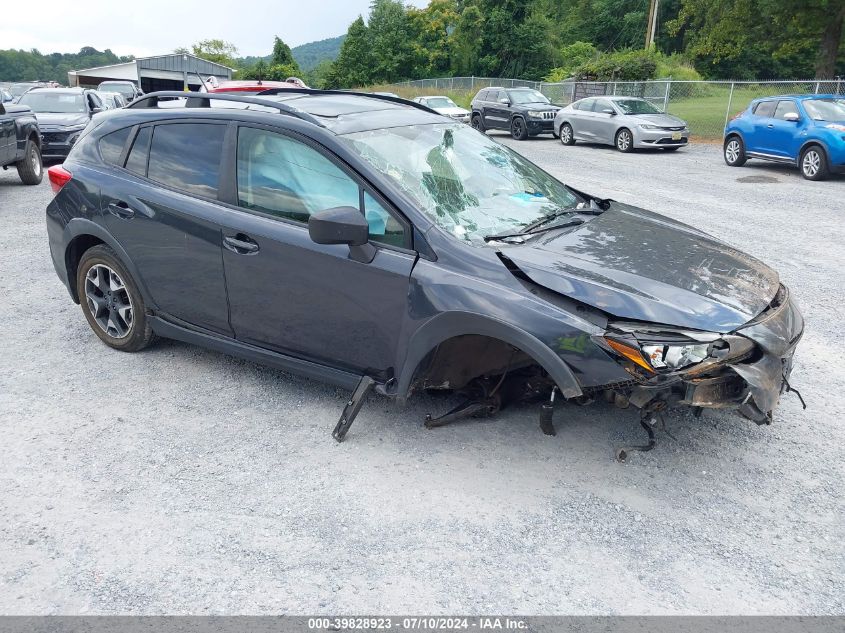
[{"x": 676, "y": 136}]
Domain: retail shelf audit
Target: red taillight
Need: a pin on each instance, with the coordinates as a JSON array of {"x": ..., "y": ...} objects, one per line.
[{"x": 59, "y": 177}]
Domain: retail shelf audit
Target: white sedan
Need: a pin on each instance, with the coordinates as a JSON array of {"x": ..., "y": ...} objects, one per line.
[{"x": 446, "y": 107}]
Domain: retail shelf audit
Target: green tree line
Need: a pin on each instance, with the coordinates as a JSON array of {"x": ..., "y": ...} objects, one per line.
[
  {"x": 537, "y": 39},
  {"x": 19, "y": 65}
]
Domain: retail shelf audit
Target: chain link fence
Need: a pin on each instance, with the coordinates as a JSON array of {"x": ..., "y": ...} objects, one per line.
[{"x": 705, "y": 105}]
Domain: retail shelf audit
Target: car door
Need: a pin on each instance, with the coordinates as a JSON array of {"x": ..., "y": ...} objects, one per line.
[
  {"x": 603, "y": 124},
  {"x": 8, "y": 137},
  {"x": 785, "y": 135},
  {"x": 758, "y": 140},
  {"x": 162, "y": 208},
  {"x": 297, "y": 297},
  {"x": 497, "y": 114},
  {"x": 580, "y": 119}
]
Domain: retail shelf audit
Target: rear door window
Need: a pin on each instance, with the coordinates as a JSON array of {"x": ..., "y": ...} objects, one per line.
[
  {"x": 765, "y": 109},
  {"x": 186, "y": 156}
]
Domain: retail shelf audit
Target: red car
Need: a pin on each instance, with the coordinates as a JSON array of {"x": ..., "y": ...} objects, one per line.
[{"x": 253, "y": 86}]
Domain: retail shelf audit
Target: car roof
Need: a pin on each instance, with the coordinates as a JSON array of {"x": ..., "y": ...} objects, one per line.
[
  {"x": 249, "y": 84},
  {"x": 58, "y": 90},
  {"x": 340, "y": 112},
  {"x": 801, "y": 97}
]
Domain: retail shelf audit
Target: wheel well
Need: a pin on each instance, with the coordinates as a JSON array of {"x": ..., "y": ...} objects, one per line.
[
  {"x": 812, "y": 143},
  {"x": 455, "y": 362},
  {"x": 73, "y": 254},
  {"x": 36, "y": 139}
]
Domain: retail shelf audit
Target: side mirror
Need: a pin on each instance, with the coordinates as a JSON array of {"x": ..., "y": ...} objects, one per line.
[
  {"x": 343, "y": 225},
  {"x": 505, "y": 100},
  {"x": 609, "y": 111},
  {"x": 792, "y": 116}
]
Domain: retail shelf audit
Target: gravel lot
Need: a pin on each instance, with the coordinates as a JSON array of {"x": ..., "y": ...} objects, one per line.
[{"x": 184, "y": 481}]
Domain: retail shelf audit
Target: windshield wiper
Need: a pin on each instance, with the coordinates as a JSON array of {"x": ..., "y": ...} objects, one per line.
[{"x": 523, "y": 233}]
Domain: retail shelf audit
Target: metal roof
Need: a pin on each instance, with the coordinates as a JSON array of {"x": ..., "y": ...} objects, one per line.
[{"x": 178, "y": 62}]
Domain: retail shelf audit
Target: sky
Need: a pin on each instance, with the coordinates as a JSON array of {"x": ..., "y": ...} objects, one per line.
[{"x": 154, "y": 27}]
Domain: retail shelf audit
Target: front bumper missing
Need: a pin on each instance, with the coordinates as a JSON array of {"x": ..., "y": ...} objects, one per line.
[{"x": 752, "y": 385}]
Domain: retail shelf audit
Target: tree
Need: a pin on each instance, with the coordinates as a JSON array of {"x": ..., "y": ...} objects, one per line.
[
  {"x": 282, "y": 55},
  {"x": 354, "y": 65},
  {"x": 216, "y": 50},
  {"x": 389, "y": 31}
]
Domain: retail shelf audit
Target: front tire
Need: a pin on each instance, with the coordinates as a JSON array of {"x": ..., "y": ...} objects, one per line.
[
  {"x": 30, "y": 167},
  {"x": 624, "y": 140},
  {"x": 567, "y": 134},
  {"x": 111, "y": 302},
  {"x": 476, "y": 122},
  {"x": 813, "y": 163},
  {"x": 519, "y": 129},
  {"x": 734, "y": 152}
]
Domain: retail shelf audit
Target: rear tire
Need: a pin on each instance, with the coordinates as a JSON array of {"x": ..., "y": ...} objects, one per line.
[
  {"x": 30, "y": 167},
  {"x": 624, "y": 140},
  {"x": 734, "y": 152},
  {"x": 813, "y": 163},
  {"x": 519, "y": 129},
  {"x": 111, "y": 302},
  {"x": 476, "y": 122},
  {"x": 567, "y": 134}
]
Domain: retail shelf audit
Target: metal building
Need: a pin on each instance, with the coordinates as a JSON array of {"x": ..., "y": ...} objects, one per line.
[{"x": 162, "y": 72}]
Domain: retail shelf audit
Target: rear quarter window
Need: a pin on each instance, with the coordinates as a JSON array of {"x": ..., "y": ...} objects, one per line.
[
  {"x": 764, "y": 108},
  {"x": 111, "y": 146},
  {"x": 137, "y": 161}
]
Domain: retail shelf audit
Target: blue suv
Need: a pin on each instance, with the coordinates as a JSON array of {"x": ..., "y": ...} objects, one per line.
[{"x": 808, "y": 130}]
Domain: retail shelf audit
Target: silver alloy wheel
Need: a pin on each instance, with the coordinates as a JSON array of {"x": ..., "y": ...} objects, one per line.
[
  {"x": 35, "y": 160},
  {"x": 623, "y": 140},
  {"x": 565, "y": 134},
  {"x": 811, "y": 163},
  {"x": 732, "y": 151},
  {"x": 108, "y": 301}
]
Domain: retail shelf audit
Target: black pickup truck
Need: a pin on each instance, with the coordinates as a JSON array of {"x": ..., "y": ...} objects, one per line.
[{"x": 20, "y": 142}]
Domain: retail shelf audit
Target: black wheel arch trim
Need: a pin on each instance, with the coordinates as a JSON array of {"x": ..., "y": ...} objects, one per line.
[
  {"x": 80, "y": 227},
  {"x": 806, "y": 145},
  {"x": 447, "y": 325}
]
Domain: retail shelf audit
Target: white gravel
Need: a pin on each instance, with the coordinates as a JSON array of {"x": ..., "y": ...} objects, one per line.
[{"x": 183, "y": 481}]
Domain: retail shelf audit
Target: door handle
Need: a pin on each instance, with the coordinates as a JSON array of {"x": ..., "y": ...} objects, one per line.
[
  {"x": 240, "y": 244},
  {"x": 770, "y": 125},
  {"x": 121, "y": 210}
]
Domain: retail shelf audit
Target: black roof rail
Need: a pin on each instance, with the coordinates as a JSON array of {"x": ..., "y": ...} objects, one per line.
[
  {"x": 203, "y": 100},
  {"x": 355, "y": 93}
]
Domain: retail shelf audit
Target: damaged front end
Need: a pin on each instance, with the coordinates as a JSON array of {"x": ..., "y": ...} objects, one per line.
[{"x": 745, "y": 370}]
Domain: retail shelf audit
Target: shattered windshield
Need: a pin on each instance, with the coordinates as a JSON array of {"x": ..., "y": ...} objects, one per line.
[{"x": 468, "y": 184}]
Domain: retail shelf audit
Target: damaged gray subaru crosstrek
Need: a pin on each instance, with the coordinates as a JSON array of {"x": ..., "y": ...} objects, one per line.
[{"x": 369, "y": 242}]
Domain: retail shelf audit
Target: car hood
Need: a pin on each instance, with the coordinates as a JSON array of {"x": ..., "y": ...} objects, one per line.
[
  {"x": 639, "y": 265},
  {"x": 663, "y": 120},
  {"x": 537, "y": 107},
  {"x": 61, "y": 119},
  {"x": 451, "y": 111}
]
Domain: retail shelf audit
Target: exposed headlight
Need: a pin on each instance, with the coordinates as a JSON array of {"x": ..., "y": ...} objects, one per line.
[
  {"x": 535, "y": 115},
  {"x": 675, "y": 356},
  {"x": 646, "y": 126}
]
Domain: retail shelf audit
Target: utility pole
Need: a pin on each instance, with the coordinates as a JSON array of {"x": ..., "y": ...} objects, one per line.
[{"x": 651, "y": 26}]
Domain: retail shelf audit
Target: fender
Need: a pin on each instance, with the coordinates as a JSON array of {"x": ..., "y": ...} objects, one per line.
[
  {"x": 806, "y": 144},
  {"x": 450, "y": 324},
  {"x": 28, "y": 127},
  {"x": 83, "y": 226}
]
